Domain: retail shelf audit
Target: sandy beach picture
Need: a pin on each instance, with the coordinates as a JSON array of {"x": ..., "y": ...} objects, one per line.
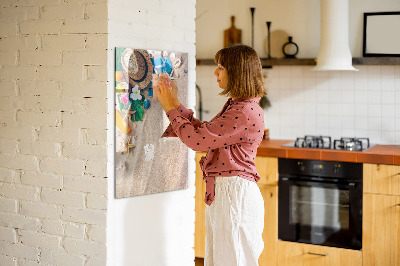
[{"x": 145, "y": 163}]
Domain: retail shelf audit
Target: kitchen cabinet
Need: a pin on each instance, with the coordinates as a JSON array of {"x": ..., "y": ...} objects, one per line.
[
  {"x": 381, "y": 230},
  {"x": 298, "y": 254},
  {"x": 381, "y": 221},
  {"x": 381, "y": 215},
  {"x": 270, "y": 233},
  {"x": 200, "y": 207},
  {"x": 381, "y": 179},
  {"x": 267, "y": 167}
]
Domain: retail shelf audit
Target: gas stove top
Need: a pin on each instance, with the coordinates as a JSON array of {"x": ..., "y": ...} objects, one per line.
[{"x": 325, "y": 142}]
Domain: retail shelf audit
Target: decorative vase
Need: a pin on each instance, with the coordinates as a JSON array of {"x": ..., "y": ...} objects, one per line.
[{"x": 290, "y": 49}]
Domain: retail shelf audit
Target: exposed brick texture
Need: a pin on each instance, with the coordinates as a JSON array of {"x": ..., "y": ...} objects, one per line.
[
  {"x": 54, "y": 83},
  {"x": 53, "y": 55}
]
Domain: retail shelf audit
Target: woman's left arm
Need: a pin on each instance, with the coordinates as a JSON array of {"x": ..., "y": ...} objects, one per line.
[
  {"x": 228, "y": 129},
  {"x": 167, "y": 92}
]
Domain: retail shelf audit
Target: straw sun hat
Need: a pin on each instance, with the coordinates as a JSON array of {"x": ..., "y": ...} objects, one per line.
[{"x": 137, "y": 64}]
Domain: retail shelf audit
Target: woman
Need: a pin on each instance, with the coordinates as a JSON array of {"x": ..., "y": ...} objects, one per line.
[{"x": 235, "y": 207}]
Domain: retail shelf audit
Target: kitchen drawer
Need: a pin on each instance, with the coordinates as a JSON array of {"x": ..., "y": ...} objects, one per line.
[
  {"x": 381, "y": 179},
  {"x": 267, "y": 168},
  {"x": 298, "y": 254}
]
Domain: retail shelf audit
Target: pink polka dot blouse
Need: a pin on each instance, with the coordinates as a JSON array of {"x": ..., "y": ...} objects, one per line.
[{"x": 231, "y": 139}]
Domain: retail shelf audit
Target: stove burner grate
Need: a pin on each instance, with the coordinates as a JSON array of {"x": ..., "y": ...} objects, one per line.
[
  {"x": 324, "y": 142},
  {"x": 351, "y": 144},
  {"x": 321, "y": 142}
]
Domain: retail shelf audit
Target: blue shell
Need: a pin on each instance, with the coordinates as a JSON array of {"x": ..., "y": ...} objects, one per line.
[
  {"x": 168, "y": 65},
  {"x": 150, "y": 92},
  {"x": 146, "y": 104}
]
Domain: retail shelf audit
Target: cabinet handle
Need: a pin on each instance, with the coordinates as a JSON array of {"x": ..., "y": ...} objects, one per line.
[{"x": 318, "y": 254}]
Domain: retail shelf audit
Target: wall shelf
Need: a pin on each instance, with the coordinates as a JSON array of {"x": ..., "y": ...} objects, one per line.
[
  {"x": 376, "y": 61},
  {"x": 312, "y": 61}
]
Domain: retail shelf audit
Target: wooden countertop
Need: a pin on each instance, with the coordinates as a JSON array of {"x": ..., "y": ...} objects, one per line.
[{"x": 379, "y": 154}]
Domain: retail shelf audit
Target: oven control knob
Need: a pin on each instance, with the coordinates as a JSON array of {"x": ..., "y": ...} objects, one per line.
[
  {"x": 302, "y": 167},
  {"x": 336, "y": 169}
]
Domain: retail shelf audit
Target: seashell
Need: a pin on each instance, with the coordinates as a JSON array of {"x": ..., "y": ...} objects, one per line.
[
  {"x": 146, "y": 104},
  {"x": 177, "y": 62}
]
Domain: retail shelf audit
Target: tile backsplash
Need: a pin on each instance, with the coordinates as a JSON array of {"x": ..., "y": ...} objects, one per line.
[{"x": 365, "y": 103}]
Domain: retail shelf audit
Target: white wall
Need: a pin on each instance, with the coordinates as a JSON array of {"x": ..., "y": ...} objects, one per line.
[
  {"x": 299, "y": 18},
  {"x": 154, "y": 229},
  {"x": 339, "y": 104}
]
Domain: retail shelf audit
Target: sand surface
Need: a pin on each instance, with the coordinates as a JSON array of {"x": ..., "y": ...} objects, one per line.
[{"x": 138, "y": 174}]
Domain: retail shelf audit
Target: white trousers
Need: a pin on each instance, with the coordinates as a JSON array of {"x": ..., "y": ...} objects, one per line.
[{"x": 234, "y": 223}]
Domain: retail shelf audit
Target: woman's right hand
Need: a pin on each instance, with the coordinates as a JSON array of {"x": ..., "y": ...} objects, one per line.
[{"x": 174, "y": 89}]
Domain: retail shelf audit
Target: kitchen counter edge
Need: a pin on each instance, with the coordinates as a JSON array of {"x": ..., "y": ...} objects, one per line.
[{"x": 379, "y": 154}]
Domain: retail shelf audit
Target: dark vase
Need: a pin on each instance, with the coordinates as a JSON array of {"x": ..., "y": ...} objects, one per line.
[{"x": 290, "y": 49}]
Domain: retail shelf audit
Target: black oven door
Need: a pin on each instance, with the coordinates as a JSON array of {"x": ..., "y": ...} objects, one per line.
[{"x": 321, "y": 212}]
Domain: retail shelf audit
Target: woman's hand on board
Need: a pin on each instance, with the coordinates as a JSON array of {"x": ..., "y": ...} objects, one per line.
[
  {"x": 166, "y": 92},
  {"x": 174, "y": 89}
]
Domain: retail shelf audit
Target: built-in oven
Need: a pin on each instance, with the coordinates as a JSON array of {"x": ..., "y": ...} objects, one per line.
[{"x": 320, "y": 202}]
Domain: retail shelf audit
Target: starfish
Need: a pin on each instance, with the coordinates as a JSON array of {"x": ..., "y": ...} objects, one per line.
[
  {"x": 131, "y": 113},
  {"x": 128, "y": 113},
  {"x": 129, "y": 145}
]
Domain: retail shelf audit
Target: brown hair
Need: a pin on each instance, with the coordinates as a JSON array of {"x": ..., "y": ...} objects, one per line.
[{"x": 245, "y": 78}]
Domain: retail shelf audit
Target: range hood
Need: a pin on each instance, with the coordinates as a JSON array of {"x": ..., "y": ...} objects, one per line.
[{"x": 334, "y": 51}]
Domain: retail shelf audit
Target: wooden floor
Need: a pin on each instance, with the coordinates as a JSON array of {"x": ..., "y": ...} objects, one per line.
[{"x": 199, "y": 262}]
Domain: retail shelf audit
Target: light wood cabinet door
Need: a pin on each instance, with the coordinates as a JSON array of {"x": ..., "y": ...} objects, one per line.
[
  {"x": 298, "y": 254},
  {"x": 381, "y": 179},
  {"x": 381, "y": 230},
  {"x": 267, "y": 168},
  {"x": 200, "y": 207},
  {"x": 270, "y": 233}
]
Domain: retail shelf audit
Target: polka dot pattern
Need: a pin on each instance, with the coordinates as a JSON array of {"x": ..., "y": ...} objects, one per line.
[{"x": 231, "y": 139}]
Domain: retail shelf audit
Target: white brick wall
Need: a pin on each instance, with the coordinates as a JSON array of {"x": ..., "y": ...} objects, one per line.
[
  {"x": 62, "y": 258},
  {"x": 53, "y": 125},
  {"x": 53, "y": 227},
  {"x": 75, "y": 230},
  {"x": 97, "y": 234},
  {"x": 53, "y": 109},
  {"x": 8, "y": 234}
]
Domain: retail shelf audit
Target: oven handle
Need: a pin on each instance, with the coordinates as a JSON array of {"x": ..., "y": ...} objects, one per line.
[{"x": 297, "y": 181}]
